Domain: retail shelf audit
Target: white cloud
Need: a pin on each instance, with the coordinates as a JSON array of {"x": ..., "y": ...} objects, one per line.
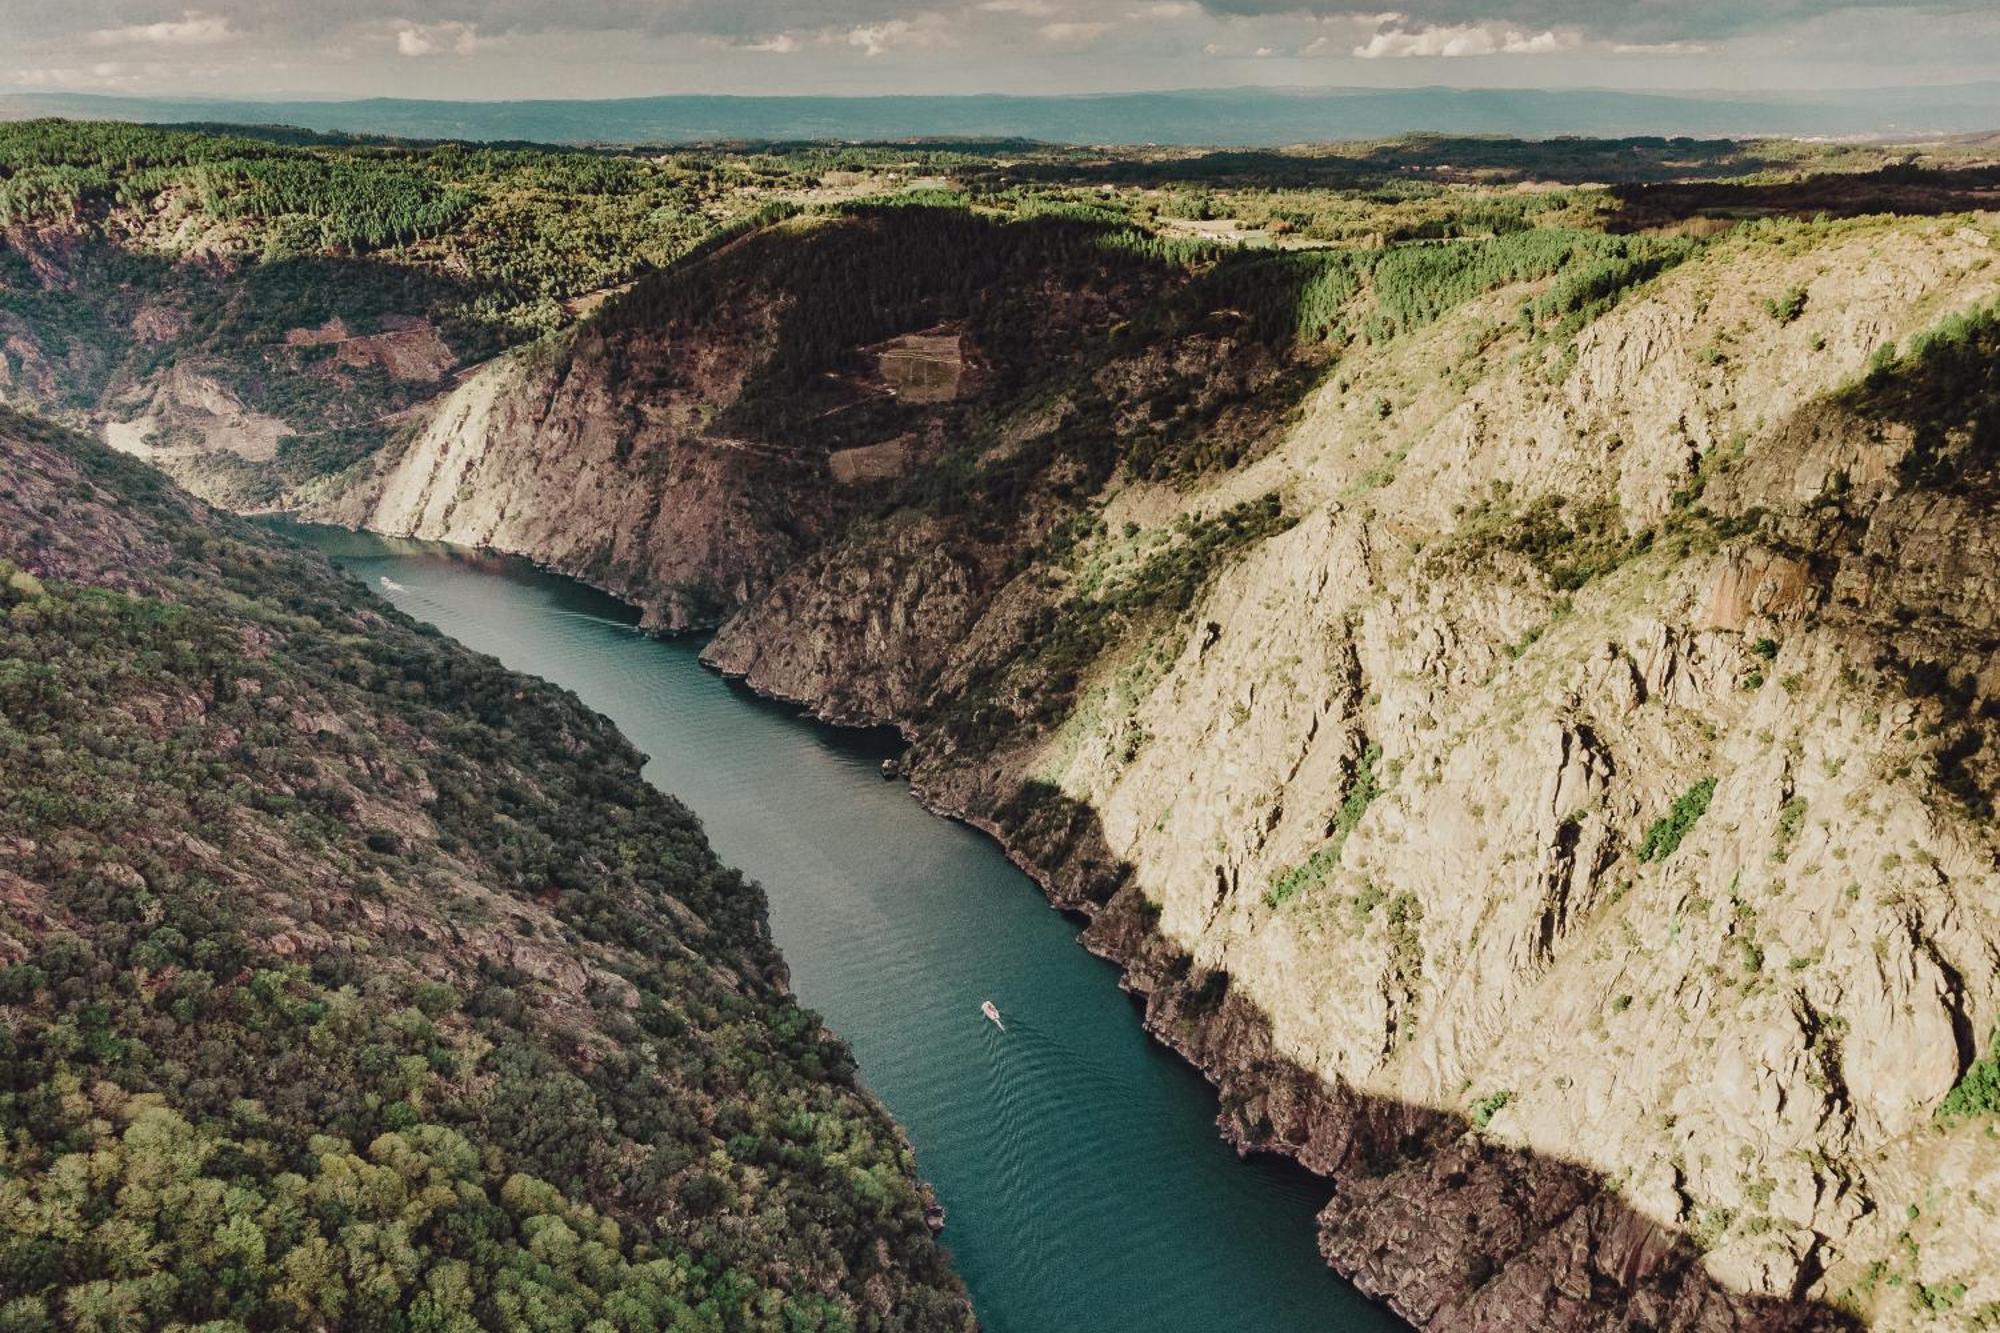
[
  {"x": 1661, "y": 49},
  {"x": 1072, "y": 33},
  {"x": 1490, "y": 38},
  {"x": 193, "y": 28},
  {"x": 429, "y": 39},
  {"x": 1031, "y": 8},
  {"x": 1165, "y": 9},
  {"x": 103, "y": 75},
  {"x": 783, "y": 44},
  {"x": 920, "y": 33}
]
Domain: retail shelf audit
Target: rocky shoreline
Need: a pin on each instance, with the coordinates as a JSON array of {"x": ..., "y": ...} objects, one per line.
[
  {"x": 1541, "y": 1244},
  {"x": 1447, "y": 1230}
]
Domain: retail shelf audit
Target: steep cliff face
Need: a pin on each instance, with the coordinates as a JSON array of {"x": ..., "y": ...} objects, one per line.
[
  {"x": 1545, "y": 784},
  {"x": 1570, "y": 828},
  {"x": 709, "y": 429},
  {"x": 547, "y": 452}
]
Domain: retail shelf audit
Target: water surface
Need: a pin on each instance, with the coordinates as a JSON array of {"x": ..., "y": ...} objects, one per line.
[{"x": 1079, "y": 1162}]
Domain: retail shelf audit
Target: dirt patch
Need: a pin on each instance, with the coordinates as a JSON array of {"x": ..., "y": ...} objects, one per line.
[
  {"x": 193, "y": 414},
  {"x": 155, "y": 324},
  {"x": 870, "y": 462},
  {"x": 408, "y": 348},
  {"x": 576, "y": 307},
  {"x": 923, "y": 367}
]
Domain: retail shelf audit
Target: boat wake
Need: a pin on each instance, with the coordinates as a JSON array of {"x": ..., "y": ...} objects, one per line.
[{"x": 628, "y": 627}]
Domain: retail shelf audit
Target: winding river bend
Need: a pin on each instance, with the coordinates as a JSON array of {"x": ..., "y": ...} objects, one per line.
[{"x": 1079, "y": 1163}]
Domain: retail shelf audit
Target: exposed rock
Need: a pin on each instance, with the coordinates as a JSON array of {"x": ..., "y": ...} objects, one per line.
[{"x": 1702, "y": 1072}]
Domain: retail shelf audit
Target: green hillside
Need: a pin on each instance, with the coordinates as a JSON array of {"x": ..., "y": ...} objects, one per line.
[{"x": 353, "y": 981}]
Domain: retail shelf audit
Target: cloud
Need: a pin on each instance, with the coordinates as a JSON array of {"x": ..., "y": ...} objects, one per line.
[
  {"x": 1445, "y": 41},
  {"x": 193, "y": 28},
  {"x": 486, "y": 48},
  {"x": 308, "y": 23},
  {"x": 1632, "y": 22},
  {"x": 430, "y": 39},
  {"x": 924, "y": 31},
  {"x": 102, "y": 75},
  {"x": 1072, "y": 33},
  {"x": 1661, "y": 48}
]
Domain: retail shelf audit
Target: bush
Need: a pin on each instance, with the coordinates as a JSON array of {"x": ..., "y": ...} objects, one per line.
[
  {"x": 1788, "y": 307},
  {"x": 1361, "y": 793},
  {"x": 1664, "y": 837},
  {"x": 1489, "y": 1106},
  {"x": 1977, "y": 1091}
]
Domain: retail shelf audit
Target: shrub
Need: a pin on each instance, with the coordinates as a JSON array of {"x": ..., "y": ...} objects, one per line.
[
  {"x": 1788, "y": 307},
  {"x": 1664, "y": 837},
  {"x": 1489, "y": 1106},
  {"x": 1312, "y": 872},
  {"x": 1977, "y": 1091},
  {"x": 1791, "y": 817}
]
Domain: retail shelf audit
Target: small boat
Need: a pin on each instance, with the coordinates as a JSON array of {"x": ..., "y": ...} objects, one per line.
[
  {"x": 986, "y": 1007},
  {"x": 392, "y": 585}
]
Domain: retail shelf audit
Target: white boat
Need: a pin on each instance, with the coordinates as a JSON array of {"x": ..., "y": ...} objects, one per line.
[
  {"x": 392, "y": 585},
  {"x": 986, "y": 1007}
]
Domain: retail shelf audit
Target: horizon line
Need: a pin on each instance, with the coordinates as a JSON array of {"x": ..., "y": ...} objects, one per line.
[{"x": 1322, "y": 90}]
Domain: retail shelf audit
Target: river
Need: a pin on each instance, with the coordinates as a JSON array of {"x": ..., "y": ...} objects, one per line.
[{"x": 1085, "y": 1183}]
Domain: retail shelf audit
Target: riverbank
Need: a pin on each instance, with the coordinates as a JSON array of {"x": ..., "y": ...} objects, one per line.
[{"x": 1077, "y": 1160}]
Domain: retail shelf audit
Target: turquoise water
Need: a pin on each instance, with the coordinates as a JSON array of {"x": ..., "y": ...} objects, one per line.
[{"x": 1079, "y": 1162}]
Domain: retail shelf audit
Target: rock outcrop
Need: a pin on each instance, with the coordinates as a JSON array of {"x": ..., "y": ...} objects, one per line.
[
  {"x": 1597, "y": 773},
  {"x": 549, "y": 452}
]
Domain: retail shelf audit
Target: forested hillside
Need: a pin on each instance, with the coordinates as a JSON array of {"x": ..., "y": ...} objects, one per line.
[{"x": 350, "y": 980}]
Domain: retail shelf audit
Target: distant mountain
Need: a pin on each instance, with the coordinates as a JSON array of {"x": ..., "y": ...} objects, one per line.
[{"x": 1229, "y": 116}]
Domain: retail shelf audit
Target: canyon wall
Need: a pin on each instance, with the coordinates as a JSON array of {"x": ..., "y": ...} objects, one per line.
[{"x": 1594, "y": 775}]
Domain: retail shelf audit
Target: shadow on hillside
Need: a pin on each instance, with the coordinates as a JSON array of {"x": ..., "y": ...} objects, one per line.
[
  {"x": 1453, "y": 1229},
  {"x": 1567, "y": 161},
  {"x": 1573, "y": 160},
  {"x": 95, "y": 322},
  {"x": 1910, "y": 190}
]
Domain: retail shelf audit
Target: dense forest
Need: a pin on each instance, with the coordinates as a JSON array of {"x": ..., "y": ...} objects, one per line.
[{"x": 350, "y": 980}]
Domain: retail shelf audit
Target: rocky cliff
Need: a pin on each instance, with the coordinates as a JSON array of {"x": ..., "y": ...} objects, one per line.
[
  {"x": 1544, "y": 781},
  {"x": 709, "y": 429},
  {"x": 1570, "y": 829}
]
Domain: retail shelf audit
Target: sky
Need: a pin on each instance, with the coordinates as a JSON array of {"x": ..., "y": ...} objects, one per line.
[{"x": 495, "y": 49}]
